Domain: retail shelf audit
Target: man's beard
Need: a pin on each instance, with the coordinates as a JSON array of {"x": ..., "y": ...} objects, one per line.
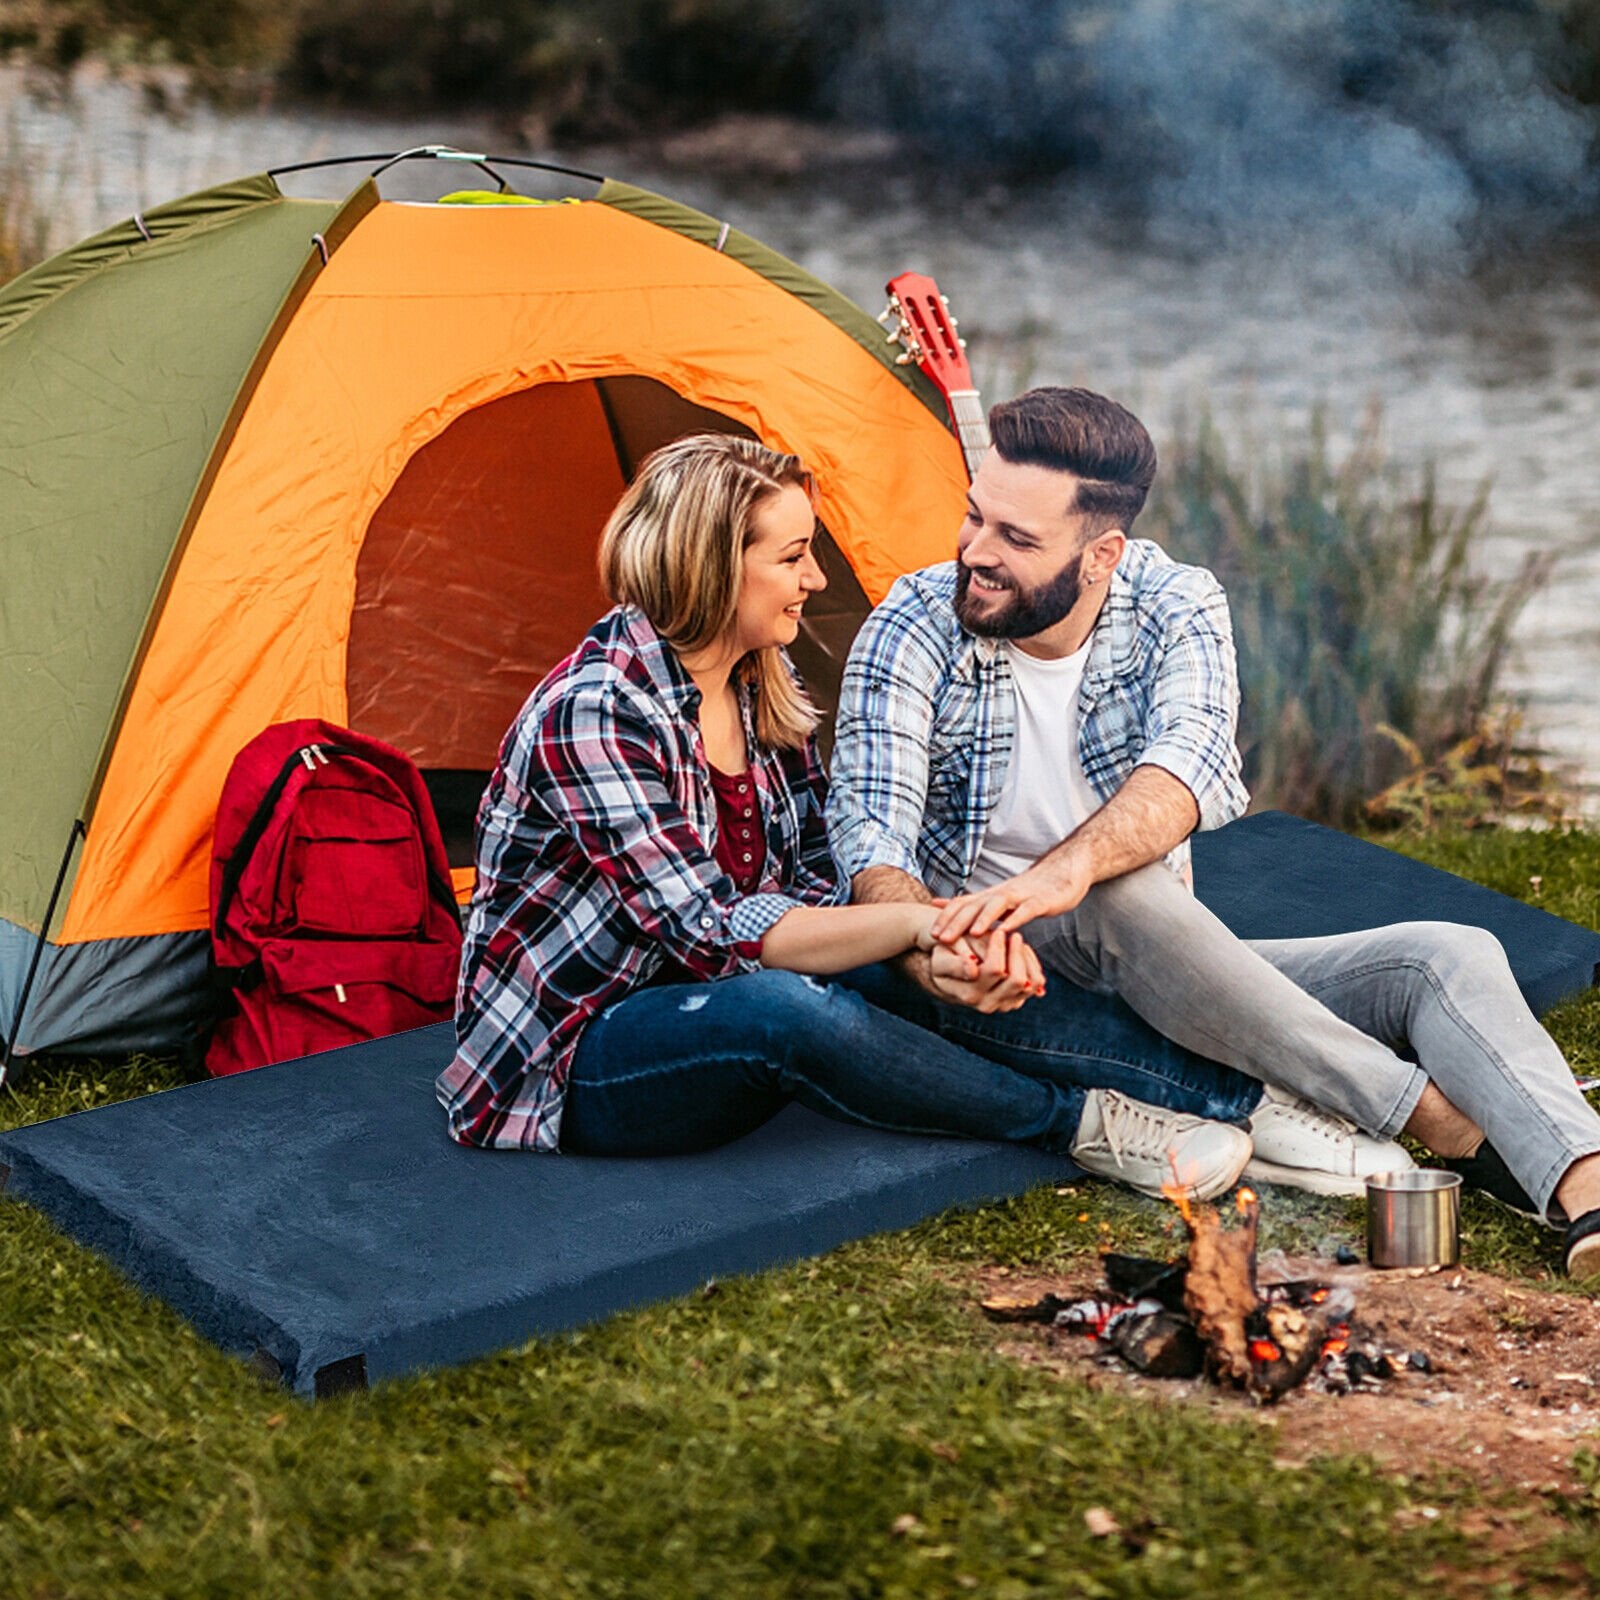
[{"x": 1028, "y": 612}]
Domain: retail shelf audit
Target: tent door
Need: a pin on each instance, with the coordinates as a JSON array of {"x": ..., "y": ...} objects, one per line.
[{"x": 477, "y": 574}]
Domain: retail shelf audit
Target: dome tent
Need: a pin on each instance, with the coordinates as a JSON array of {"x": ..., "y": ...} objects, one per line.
[{"x": 267, "y": 457}]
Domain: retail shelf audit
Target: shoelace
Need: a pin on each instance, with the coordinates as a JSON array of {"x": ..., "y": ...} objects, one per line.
[
  {"x": 1126, "y": 1125},
  {"x": 1310, "y": 1116}
]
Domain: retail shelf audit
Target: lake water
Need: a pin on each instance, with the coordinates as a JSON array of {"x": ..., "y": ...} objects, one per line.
[{"x": 1489, "y": 372}]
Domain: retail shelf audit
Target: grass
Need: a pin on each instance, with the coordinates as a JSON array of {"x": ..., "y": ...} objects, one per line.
[
  {"x": 766, "y": 1441},
  {"x": 842, "y": 1427},
  {"x": 1358, "y": 606}
]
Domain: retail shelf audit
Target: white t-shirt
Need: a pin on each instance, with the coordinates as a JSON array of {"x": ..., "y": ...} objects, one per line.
[{"x": 1045, "y": 795}]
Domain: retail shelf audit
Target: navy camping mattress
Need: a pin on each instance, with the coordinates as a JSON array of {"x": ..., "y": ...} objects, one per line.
[{"x": 315, "y": 1216}]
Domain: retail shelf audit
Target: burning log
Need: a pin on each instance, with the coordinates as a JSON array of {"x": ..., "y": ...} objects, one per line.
[
  {"x": 1206, "y": 1313},
  {"x": 1264, "y": 1341},
  {"x": 1219, "y": 1289}
]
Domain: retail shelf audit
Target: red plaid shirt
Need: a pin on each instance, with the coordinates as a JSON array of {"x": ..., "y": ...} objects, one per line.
[{"x": 595, "y": 866}]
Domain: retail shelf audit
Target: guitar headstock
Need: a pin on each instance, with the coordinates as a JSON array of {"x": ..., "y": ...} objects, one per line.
[
  {"x": 922, "y": 324},
  {"x": 918, "y": 318}
]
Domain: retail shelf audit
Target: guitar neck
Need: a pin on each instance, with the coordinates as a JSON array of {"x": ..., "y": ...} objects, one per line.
[{"x": 971, "y": 423}]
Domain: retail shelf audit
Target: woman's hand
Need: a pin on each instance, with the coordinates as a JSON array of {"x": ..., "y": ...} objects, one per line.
[
  {"x": 993, "y": 974},
  {"x": 1008, "y": 976},
  {"x": 999, "y": 973}
]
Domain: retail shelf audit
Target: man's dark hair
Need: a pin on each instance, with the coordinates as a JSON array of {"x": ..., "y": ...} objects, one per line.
[{"x": 1102, "y": 444}]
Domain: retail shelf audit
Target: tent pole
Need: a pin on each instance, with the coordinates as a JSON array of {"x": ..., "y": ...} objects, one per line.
[
  {"x": 438, "y": 152},
  {"x": 78, "y": 831}
]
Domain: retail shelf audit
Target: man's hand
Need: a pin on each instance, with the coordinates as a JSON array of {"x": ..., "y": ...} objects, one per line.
[
  {"x": 1009, "y": 976},
  {"x": 1049, "y": 887},
  {"x": 1140, "y": 823}
]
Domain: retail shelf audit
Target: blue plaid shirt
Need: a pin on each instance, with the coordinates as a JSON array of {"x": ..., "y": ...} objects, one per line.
[
  {"x": 928, "y": 713},
  {"x": 595, "y": 846}
]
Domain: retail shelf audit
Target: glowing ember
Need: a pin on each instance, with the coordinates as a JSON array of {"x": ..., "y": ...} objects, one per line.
[{"x": 1264, "y": 1350}]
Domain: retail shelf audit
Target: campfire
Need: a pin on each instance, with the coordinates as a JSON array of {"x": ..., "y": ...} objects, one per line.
[{"x": 1206, "y": 1314}]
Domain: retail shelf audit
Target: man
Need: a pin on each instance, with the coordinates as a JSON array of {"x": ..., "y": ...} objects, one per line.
[{"x": 1035, "y": 730}]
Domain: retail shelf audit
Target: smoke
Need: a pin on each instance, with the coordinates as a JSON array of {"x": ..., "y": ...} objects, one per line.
[
  {"x": 1234, "y": 132},
  {"x": 1229, "y": 115}
]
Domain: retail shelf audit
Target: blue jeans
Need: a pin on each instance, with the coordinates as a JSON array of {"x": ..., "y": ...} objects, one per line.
[
  {"x": 680, "y": 1067},
  {"x": 1075, "y": 1037}
]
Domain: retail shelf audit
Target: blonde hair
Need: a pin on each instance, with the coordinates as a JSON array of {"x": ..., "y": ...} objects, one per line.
[{"x": 674, "y": 547}]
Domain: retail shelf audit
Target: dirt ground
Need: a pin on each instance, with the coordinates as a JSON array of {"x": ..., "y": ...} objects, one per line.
[{"x": 1513, "y": 1390}]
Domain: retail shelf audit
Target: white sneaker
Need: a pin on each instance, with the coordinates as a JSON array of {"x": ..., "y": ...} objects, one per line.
[
  {"x": 1304, "y": 1147},
  {"x": 1144, "y": 1146}
]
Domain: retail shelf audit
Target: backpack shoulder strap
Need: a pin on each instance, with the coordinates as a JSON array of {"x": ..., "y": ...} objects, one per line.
[{"x": 250, "y": 836}]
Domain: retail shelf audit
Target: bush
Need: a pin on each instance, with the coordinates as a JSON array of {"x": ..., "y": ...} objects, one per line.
[
  {"x": 1357, "y": 604},
  {"x": 212, "y": 36},
  {"x": 579, "y": 69}
]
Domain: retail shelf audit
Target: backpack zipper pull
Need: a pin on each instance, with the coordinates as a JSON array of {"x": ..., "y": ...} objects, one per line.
[{"x": 338, "y": 989}]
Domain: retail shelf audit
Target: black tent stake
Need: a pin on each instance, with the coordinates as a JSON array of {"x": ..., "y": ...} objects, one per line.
[{"x": 78, "y": 831}]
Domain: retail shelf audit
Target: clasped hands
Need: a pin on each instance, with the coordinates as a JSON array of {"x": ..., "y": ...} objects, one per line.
[{"x": 977, "y": 955}]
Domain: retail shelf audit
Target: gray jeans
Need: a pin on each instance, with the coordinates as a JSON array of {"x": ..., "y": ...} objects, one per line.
[{"x": 1325, "y": 1018}]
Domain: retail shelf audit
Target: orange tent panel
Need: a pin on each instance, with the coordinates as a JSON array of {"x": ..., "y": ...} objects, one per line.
[{"x": 424, "y": 314}]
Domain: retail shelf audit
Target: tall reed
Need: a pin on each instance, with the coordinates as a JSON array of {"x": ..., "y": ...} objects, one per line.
[
  {"x": 25, "y": 222},
  {"x": 1359, "y": 604}
]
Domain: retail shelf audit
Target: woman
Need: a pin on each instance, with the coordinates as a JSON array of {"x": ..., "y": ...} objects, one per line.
[{"x": 655, "y": 888}]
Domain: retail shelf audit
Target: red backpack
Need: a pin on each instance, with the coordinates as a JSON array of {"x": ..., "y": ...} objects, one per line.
[{"x": 332, "y": 915}]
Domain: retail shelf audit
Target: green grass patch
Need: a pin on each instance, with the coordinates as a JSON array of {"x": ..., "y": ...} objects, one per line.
[{"x": 842, "y": 1427}]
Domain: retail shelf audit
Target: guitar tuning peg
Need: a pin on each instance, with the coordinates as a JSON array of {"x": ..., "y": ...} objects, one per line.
[
  {"x": 903, "y": 359},
  {"x": 962, "y": 343},
  {"x": 886, "y": 313},
  {"x": 955, "y": 322},
  {"x": 892, "y": 336},
  {"x": 944, "y": 300}
]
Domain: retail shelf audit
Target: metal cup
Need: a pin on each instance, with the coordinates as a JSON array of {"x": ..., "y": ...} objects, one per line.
[{"x": 1413, "y": 1218}]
